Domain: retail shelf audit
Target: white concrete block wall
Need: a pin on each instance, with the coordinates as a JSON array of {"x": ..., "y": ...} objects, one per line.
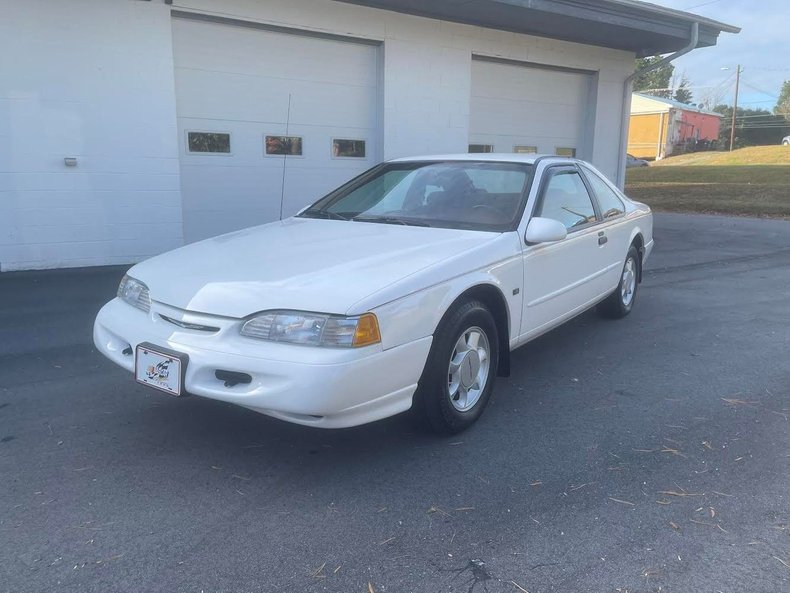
[
  {"x": 94, "y": 79},
  {"x": 91, "y": 79}
]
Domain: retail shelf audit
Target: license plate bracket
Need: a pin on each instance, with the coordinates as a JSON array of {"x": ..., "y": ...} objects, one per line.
[{"x": 160, "y": 368}]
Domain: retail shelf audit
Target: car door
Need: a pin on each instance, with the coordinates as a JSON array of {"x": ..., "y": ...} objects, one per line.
[
  {"x": 563, "y": 277},
  {"x": 615, "y": 226}
]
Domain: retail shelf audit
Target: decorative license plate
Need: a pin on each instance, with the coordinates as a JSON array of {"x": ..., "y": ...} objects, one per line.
[{"x": 160, "y": 368}]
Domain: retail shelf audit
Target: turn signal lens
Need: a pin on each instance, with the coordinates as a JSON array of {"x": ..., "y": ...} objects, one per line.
[
  {"x": 135, "y": 293},
  {"x": 367, "y": 332}
]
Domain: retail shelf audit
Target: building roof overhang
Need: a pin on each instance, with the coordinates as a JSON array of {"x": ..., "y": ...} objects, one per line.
[{"x": 639, "y": 27}]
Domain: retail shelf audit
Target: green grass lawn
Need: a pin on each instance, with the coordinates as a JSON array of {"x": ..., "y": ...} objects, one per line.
[{"x": 752, "y": 181}]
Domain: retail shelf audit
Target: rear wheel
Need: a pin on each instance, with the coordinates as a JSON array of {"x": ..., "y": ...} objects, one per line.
[
  {"x": 621, "y": 301},
  {"x": 459, "y": 375}
]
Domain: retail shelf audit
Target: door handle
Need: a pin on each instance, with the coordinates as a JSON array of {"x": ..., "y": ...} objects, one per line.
[{"x": 602, "y": 238}]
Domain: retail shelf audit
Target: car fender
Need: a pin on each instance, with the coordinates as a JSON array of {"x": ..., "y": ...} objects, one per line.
[
  {"x": 635, "y": 231},
  {"x": 417, "y": 315}
]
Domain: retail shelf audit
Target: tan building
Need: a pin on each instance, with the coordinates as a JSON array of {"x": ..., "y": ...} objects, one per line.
[{"x": 660, "y": 127}]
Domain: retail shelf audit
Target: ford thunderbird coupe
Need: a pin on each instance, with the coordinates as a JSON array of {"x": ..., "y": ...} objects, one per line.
[{"x": 406, "y": 288}]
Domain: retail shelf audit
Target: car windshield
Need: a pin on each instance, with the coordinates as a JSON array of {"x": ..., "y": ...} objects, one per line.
[{"x": 486, "y": 196}]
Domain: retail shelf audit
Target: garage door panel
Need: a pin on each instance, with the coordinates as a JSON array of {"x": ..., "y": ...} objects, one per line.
[
  {"x": 522, "y": 82},
  {"x": 227, "y": 49},
  {"x": 240, "y": 81},
  {"x": 243, "y": 98},
  {"x": 259, "y": 100},
  {"x": 522, "y": 117},
  {"x": 210, "y": 223},
  {"x": 515, "y": 105},
  {"x": 236, "y": 187},
  {"x": 304, "y": 186},
  {"x": 332, "y": 105}
]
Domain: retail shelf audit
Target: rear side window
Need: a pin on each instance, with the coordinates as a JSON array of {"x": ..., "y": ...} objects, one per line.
[
  {"x": 565, "y": 199},
  {"x": 611, "y": 205}
]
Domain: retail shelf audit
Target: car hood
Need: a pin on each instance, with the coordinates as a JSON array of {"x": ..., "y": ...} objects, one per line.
[{"x": 299, "y": 263}]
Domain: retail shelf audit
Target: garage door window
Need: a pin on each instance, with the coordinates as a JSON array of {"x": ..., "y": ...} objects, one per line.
[
  {"x": 283, "y": 145},
  {"x": 565, "y": 199},
  {"x": 348, "y": 149},
  {"x": 208, "y": 142},
  {"x": 520, "y": 149},
  {"x": 480, "y": 148},
  {"x": 566, "y": 151}
]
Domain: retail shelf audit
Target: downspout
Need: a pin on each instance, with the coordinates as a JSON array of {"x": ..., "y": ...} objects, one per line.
[{"x": 627, "y": 90}]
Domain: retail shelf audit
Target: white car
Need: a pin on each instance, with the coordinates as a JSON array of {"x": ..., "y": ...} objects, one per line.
[
  {"x": 407, "y": 287},
  {"x": 631, "y": 161}
]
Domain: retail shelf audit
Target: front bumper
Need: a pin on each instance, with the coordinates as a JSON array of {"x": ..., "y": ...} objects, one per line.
[{"x": 324, "y": 387}]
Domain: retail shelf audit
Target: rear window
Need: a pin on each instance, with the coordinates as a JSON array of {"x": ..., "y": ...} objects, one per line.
[{"x": 608, "y": 201}]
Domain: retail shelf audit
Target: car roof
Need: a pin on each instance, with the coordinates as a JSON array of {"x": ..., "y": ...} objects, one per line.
[{"x": 498, "y": 157}]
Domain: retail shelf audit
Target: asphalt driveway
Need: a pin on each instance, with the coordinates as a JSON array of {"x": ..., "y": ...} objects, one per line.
[{"x": 647, "y": 454}]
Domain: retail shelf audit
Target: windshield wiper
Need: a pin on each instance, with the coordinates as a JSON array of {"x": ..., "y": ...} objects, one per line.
[
  {"x": 391, "y": 220},
  {"x": 317, "y": 213}
]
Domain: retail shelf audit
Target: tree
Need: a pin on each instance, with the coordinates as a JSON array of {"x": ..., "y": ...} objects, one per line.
[
  {"x": 783, "y": 104},
  {"x": 656, "y": 82},
  {"x": 682, "y": 92},
  {"x": 753, "y": 127}
]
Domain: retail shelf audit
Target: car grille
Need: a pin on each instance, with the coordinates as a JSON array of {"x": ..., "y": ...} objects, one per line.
[{"x": 194, "y": 326}]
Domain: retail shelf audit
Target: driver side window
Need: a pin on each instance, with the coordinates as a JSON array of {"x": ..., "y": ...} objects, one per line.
[{"x": 565, "y": 199}]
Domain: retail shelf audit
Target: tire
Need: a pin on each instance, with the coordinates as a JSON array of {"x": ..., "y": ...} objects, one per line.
[
  {"x": 451, "y": 401},
  {"x": 621, "y": 301}
]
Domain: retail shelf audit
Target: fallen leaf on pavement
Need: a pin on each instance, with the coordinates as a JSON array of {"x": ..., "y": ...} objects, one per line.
[{"x": 716, "y": 525}]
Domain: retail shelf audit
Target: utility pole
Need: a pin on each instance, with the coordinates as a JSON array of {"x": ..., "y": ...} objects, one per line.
[{"x": 735, "y": 107}]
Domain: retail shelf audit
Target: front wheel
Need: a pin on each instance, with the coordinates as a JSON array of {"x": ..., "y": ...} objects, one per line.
[
  {"x": 459, "y": 375},
  {"x": 621, "y": 301}
]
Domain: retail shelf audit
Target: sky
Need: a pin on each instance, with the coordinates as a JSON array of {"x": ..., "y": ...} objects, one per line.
[{"x": 762, "y": 48}]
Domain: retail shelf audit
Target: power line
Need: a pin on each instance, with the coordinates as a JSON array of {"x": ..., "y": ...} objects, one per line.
[
  {"x": 677, "y": 87},
  {"x": 781, "y": 123},
  {"x": 703, "y": 4},
  {"x": 769, "y": 69},
  {"x": 759, "y": 90}
]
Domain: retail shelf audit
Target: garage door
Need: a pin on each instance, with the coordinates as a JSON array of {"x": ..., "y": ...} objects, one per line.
[
  {"x": 517, "y": 108},
  {"x": 268, "y": 121}
]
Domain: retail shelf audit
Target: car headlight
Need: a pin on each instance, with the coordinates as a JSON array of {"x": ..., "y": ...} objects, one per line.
[
  {"x": 135, "y": 293},
  {"x": 314, "y": 329}
]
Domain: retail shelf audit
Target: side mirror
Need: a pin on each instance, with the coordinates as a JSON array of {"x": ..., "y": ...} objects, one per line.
[{"x": 545, "y": 230}]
